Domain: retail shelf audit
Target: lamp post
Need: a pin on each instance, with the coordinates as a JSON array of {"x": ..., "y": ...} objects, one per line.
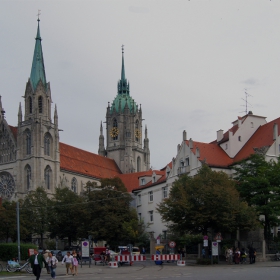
[{"x": 18, "y": 232}]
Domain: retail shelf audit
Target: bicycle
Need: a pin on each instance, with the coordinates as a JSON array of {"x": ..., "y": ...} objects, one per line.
[{"x": 14, "y": 267}]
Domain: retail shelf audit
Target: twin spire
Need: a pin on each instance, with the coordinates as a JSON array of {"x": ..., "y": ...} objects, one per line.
[
  {"x": 38, "y": 68},
  {"x": 123, "y": 85}
]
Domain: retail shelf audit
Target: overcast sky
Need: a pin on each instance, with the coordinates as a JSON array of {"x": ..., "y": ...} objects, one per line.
[{"x": 188, "y": 64}]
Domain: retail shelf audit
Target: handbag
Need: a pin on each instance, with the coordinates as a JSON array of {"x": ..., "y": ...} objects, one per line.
[{"x": 53, "y": 265}]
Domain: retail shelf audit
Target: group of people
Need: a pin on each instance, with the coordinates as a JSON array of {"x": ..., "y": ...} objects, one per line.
[
  {"x": 38, "y": 261},
  {"x": 239, "y": 257}
]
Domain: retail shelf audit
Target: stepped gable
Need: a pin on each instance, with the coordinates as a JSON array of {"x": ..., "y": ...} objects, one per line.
[
  {"x": 261, "y": 138},
  {"x": 214, "y": 155},
  {"x": 131, "y": 180},
  {"x": 86, "y": 163}
]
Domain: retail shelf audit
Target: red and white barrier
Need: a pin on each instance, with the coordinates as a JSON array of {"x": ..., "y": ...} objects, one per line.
[
  {"x": 122, "y": 258},
  {"x": 171, "y": 257},
  {"x": 138, "y": 258},
  {"x": 181, "y": 263},
  {"x": 113, "y": 264}
]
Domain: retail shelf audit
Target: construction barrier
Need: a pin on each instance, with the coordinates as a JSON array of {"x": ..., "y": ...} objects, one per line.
[
  {"x": 171, "y": 257},
  {"x": 138, "y": 258},
  {"x": 122, "y": 258},
  {"x": 113, "y": 264},
  {"x": 181, "y": 263}
]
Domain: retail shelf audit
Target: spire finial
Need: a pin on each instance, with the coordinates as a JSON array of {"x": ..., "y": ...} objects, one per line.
[
  {"x": 122, "y": 49},
  {"x": 38, "y": 15}
]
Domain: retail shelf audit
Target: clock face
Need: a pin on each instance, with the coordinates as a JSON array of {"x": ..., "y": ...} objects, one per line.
[
  {"x": 137, "y": 133},
  {"x": 114, "y": 132}
]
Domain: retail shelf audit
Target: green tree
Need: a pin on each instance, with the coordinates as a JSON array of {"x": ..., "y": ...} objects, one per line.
[
  {"x": 66, "y": 214},
  {"x": 259, "y": 185},
  {"x": 207, "y": 200},
  {"x": 109, "y": 215},
  {"x": 35, "y": 212}
]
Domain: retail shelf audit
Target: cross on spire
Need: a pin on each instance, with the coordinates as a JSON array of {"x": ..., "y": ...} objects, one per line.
[{"x": 122, "y": 48}]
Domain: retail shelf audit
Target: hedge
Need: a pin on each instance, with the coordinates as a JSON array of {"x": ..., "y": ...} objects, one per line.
[{"x": 8, "y": 251}]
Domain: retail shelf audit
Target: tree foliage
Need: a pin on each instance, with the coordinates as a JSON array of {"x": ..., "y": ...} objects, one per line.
[
  {"x": 66, "y": 214},
  {"x": 35, "y": 212},
  {"x": 259, "y": 185},
  {"x": 109, "y": 215},
  {"x": 207, "y": 200}
]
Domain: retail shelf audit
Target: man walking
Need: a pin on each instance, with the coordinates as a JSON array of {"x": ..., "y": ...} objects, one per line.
[{"x": 36, "y": 262}]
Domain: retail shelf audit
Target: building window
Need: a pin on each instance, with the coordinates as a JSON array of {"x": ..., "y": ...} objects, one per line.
[
  {"x": 30, "y": 104},
  {"x": 48, "y": 177},
  {"x": 142, "y": 181},
  {"x": 47, "y": 143},
  {"x": 28, "y": 142},
  {"x": 165, "y": 192},
  {"x": 139, "y": 217},
  {"x": 74, "y": 185},
  {"x": 226, "y": 147},
  {"x": 139, "y": 199},
  {"x": 154, "y": 179},
  {"x": 151, "y": 196},
  {"x": 40, "y": 104},
  {"x": 187, "y": 161},
  {"x": 252, "y": 124},
  {"x": 28, "y": 177},
  {"x": 151, "y": 214},
  {"x": 239, "y": 138},
  {"x": 115, "y": 130}
]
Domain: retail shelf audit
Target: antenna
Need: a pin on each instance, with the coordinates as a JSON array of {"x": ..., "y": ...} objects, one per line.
[{"x": 246, "y": 101}]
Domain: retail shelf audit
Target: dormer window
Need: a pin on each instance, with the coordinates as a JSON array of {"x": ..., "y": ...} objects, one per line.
[
  {"x": 187, "y": 161},
  {"x": 154, "y": 179},
  {"x": 142, "y": 181}
]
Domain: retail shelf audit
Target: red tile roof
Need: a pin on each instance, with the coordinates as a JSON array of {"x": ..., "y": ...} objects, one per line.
[
  {"x": 14, "y": 130},
  {"x": 214, "y": 155},
  {"x": 262, "y": 137},
  {"x": 86, "y": 163}
]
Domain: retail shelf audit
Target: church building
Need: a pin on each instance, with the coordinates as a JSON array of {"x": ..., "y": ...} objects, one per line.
[{"x": 32, "y": 156}]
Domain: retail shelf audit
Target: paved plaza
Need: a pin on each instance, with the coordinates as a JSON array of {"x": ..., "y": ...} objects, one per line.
[{"x": 148, "y": 270}]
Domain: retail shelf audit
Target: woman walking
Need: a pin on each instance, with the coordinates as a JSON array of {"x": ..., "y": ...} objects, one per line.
[
  {"x": 75, "y": 262},
  {"x": 51, "y": 262}
]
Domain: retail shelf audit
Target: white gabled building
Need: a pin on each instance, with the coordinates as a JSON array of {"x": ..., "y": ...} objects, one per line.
[{"x": 249, "y": 134}]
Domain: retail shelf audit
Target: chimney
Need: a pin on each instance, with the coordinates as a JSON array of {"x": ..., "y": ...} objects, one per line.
[
  {"x": 184, "y": 135},
  {"x": 191, "y": 143},
  {"x": 275, "y": 131},
  {"x": 220, "y": 135}
]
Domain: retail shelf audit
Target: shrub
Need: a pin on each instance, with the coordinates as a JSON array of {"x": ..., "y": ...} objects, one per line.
[{"x": 8, "y": 251}]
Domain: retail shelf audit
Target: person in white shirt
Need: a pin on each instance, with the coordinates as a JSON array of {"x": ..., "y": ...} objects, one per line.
[
  {"x": 52, "y": 262},
  {"x": 68, "y": 260}
]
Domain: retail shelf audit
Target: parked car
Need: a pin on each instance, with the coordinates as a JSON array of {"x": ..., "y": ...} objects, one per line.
[
  {"x": 54, "y": 252},
  {"x": 135, "y": 250}
]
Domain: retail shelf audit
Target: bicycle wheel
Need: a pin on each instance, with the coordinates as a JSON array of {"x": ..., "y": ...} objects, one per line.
[
  {"x": 11, "y": 268},
  {"x": 1, "y": 267},
  {"x": 28, "y": 268}
]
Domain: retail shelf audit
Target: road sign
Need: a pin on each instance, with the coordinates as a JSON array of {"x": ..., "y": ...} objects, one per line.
[
  {"x": 205, "y": 237},
  {"x": 215, "y": 250},
  {"x": 172, "y": 244},
  {"x": 218, "y": 237},
  {"x": 205, "y": 243},
  {"x": 85, "y": 249}
]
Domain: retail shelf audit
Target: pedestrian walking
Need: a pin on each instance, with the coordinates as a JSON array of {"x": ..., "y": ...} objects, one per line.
[
  {"x": 251, "y": 254},
  {"x": 75, "y": 262},
  {"x": 52, "y": 263},
  {"x": 36, "y": 262},
  {"x": 68, "y": 260},
  {"x": 237, "y": 256},
  {"x": 230, "y": 253},
  {"x": 45, "y": 255}
]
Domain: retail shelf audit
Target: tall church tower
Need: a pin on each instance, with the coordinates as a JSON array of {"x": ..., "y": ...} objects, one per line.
[
  {"x": 37, "y": 134},
  {"x": 124, "y": 131}
]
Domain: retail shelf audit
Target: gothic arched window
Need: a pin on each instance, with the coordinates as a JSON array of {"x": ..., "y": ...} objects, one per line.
[
  {"x": 138, "y": 164},
  {"x": 47, "y": 144},
  {"x": 48, "y": 172},
  {"x": 30, "y": 104},
  {"x": 28, "y": 177},
  {"x": 74, "y": 185},
  {"x": 28, "y": 142},
  {"x": 40, "y": 104}
]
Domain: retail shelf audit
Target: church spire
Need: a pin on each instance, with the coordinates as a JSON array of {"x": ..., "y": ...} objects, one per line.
[
  {"x": 123, "y": 85},
  {"x": 38, "y": 68}
]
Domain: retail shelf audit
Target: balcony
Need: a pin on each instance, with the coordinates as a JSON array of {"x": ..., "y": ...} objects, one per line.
[{"x": 183, "y": 170}]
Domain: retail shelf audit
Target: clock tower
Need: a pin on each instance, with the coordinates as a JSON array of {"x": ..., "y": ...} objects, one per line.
[{"x": 125, "y": 143}]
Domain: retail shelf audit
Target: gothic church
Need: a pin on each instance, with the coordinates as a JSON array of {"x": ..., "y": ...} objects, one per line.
[{"x": 32, "y": 156}]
